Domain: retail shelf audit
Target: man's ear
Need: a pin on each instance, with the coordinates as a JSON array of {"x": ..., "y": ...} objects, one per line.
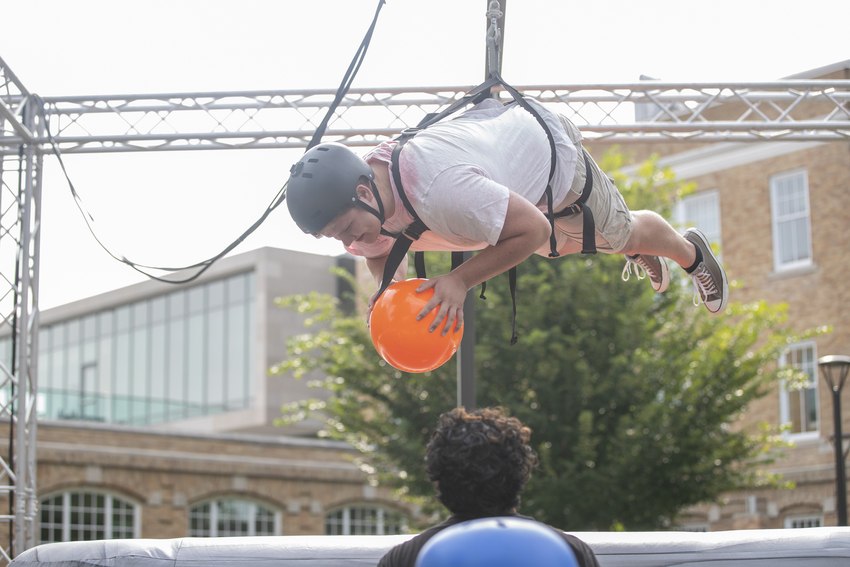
[{"x": 364, "y": 192}]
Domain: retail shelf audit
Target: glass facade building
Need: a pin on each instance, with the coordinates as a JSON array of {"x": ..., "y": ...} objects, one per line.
[
  {"x": 170, "y": 357},
  {"x": 195, "y": 355}
]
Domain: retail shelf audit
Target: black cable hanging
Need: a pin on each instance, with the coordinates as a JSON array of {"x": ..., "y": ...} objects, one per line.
[{"x": 279, "y": 197}]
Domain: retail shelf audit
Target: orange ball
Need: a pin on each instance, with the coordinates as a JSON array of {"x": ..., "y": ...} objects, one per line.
[{"x": 403, "y": 341}]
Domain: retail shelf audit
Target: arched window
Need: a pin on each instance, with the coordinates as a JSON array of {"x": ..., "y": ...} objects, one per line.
[
  {"x": 86, "y": 515},
  {"x": 232, "y": 517},
  {"x": 365, "y": 520}
]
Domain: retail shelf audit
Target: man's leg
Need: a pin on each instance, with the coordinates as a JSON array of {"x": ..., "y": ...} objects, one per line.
[
  {"x": 646, "y": 239},
  {"x": 652, "y": 235}
]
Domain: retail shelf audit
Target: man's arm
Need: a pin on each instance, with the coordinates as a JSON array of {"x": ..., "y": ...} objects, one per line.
[
  {"x": 376, "y": 268},
  {"x": 525, "y": 230}
]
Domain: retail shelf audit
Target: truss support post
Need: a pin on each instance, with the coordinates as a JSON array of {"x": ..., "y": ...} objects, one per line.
[
  {"x": 20, "y": 213},
  {"x": 26, "y": 500}
]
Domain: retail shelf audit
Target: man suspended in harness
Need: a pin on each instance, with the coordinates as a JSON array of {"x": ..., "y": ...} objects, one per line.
[{"x": 486, "y": 181}]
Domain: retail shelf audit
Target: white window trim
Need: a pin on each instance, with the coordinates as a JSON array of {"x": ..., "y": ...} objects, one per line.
[
  {"x": 789, "y": 520},
  {"x": 697, "y": 527},
  {"x": 380, "y": 527},
  {"x": 252, "y": 524},
  {"x": 777, "y": 266},
  {"x": 679, "y": 207},
  {"x": 783, "y": 397},
  {"x": 107, "y": 511}
]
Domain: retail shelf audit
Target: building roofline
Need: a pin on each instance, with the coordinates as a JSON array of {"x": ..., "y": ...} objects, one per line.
[
  {"x": 277, "y": 440},
  {"x": 821, "y": 71},
  {"x": 134, "y": 292}
]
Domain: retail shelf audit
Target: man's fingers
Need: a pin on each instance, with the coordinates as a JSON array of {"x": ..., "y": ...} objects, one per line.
[
  {"x": 432, "y": 303},
  {"x": 459, "y": 320},
  {"x": 441, "y": 315}
]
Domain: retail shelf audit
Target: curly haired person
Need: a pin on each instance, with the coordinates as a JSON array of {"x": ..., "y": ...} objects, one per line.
[{"x": 479, "y": 462}]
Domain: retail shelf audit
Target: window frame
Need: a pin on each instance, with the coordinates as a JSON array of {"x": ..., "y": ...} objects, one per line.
[
  {"x": 681, "y": 217},
  {"x": 108, "y": 510},
  {"x": 784, "y": 409},
  {"x": 778, "y": 265},
  {"x": 277, "y": 516},
  {"x": 380, "y": 518},
  {"x": 788, "y": 522}
]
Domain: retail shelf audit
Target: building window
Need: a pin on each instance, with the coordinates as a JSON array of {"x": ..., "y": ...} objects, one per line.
[
  {"x": 701, "y": 210},
  {"x": 179, "y": 355},
  {"x": 82, "y": 516},
  {"x": 693, "y": 528},
  {"x": 789, "y": 201},
  {"x": 365, "y": 520},
  {"x": 232, "y": 517},
  {"x": 799, "y": 396},
  {"x": 795, "y": 522}
]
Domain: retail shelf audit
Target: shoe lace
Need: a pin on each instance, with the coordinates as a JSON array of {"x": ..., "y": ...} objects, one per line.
[
  {"x": 703, "y": 284},
  {"x": 639, "y": 269}
]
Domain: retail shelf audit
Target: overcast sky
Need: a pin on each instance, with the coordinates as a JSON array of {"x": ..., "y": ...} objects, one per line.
[{"x": 167, "y": 208}]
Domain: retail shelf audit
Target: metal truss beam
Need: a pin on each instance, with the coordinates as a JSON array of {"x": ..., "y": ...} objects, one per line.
[
  {"x": 647, "y": 111},
  {"x": 12, "y": 96}
]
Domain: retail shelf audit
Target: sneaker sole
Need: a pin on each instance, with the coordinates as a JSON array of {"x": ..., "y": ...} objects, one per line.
[
  {"x": 724, "y": 297},
  {"x": 665, "y": 276}
]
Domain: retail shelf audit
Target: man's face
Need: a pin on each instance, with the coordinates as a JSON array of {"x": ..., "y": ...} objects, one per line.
[{"x": 354, "y": 225}]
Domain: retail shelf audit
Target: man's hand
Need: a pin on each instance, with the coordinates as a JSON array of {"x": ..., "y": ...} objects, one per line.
[
  {"x": 526, "y": 228},
  {"x": 371, "y": 306},
  {"x": 449, "y": 295},
  {"x": 376, "y": 267}
]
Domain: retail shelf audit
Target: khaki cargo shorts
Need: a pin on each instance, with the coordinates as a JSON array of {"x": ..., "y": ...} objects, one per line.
[{"x": 610, "y": 212}]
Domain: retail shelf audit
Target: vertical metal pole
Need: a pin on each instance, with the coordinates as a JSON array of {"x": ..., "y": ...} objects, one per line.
[
  {"x": 466, "y": 391},
  {"x": 495, "y": 35},
  {"x": 33, "y": 331},
  {"x": 840, "y": 473},
  {"x": 466, "y": 352},
  {"x": 27, "y": 331},
  {"x": 835, "y": 369},
  {"x": 466, "y": 394}
]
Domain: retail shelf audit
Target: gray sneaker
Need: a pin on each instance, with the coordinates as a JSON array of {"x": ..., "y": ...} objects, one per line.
[
  {"x": 653, "y": 266},
  {"x": 709, "y": 277}
]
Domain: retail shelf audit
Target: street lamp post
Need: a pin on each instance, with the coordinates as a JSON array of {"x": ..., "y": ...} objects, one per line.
[{"x": 835, "y": 369}]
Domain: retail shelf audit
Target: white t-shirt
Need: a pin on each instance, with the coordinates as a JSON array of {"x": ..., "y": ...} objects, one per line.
[{"x": 458, "y": 175}]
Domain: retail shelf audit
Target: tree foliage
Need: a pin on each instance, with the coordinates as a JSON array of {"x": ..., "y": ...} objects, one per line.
[{"x": 633, "y": 397}]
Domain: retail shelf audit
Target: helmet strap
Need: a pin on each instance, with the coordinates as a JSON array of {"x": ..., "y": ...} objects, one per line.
[{"x": 379, "y": 212}]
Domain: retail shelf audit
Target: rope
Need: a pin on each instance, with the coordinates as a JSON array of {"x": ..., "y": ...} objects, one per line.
[{"x": 279, "y": 197}]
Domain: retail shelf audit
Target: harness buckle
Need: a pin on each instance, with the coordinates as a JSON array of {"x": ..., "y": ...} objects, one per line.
[
  {"x": 573, "y": 209},
  {"x": 412, "y": 232},
  {"x": 410, "y": 131}
]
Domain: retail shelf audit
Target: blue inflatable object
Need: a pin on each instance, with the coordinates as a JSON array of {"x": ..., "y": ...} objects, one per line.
[{"x": 497, "y": 542}]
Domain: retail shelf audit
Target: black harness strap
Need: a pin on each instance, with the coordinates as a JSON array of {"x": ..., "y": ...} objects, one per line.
[
  {"x": 409, "y": 234},
  {"x": 588, "y": 236},
  {"x": 405, "y": 239}
]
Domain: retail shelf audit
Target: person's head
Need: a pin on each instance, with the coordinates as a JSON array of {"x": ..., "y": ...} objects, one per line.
[
  {"x": 331, "y": 192},
  {"x": 497, "y": 542},
  {"x": 479, "y": 461}
]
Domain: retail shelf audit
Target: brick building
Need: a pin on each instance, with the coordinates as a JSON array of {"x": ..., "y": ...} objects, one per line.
[
  {"x": 101, "y": 481},
  {"x": 779, "y": 213}
]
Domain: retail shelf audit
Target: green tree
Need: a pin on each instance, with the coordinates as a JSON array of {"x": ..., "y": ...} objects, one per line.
[{"x": 632, "y": 396}]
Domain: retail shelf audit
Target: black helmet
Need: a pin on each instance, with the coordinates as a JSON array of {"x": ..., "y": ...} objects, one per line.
[{"x": 323, "y": 184}]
